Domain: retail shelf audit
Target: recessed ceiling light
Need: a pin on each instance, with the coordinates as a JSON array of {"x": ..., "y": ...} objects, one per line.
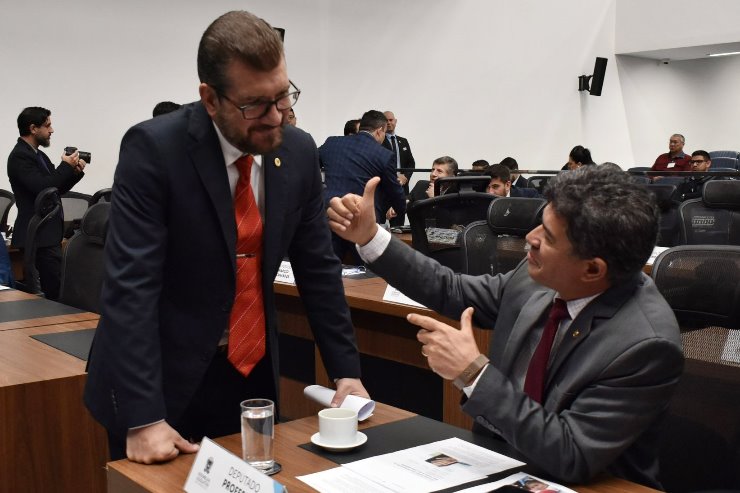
[{"x": 724, "y": 54}]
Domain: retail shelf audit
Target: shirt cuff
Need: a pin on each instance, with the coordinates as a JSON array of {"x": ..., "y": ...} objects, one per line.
[
  {"x": 144, "y": 426},
  {"x": 470, "y": 388},
  {"x": 375, "y": 247}
]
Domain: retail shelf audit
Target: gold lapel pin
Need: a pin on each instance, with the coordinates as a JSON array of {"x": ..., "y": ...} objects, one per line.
[
  {"x": 277, "y": 162},
  {"x": 576, "y": 333}
]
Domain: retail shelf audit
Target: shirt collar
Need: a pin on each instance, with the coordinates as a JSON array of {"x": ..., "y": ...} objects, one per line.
[{"x": 576, "y": 306}]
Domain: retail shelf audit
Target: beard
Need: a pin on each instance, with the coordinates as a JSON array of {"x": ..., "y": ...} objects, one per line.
[
  {"x": 43, "y": 142},
  {"x": 259, "y": 139}
]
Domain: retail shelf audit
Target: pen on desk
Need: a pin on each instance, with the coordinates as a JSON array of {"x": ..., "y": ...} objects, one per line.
[{"x": 244, "y": 255}]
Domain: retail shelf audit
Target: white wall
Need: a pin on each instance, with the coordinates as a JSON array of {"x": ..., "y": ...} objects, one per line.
[{"x": 471, "y": 78}]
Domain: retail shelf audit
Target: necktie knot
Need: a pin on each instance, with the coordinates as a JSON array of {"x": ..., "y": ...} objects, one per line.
[
  {"x": 244, "y": 165},
  {"x": 558, "y": 311}
]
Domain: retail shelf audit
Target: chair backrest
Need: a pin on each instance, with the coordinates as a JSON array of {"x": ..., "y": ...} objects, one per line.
[
  {"x": 102, "y": 195},
  {"x": 46, "y": 207},
  {"x": 670, "y": 223},
  {"x": 724, "y": 159},
  {"x": 497, "y": 244},
  {"x": 701, "y": 441},
  {"x": 715, "y": 218},
  {"x": 82, "y": 263},
  {"x": 461, "y": 184},
  {"x": 539, "y": 182},
  {"x": 436, "y": 223},
  {"x": 74, "y": 205},
  {"x": 7, "y": 199}
]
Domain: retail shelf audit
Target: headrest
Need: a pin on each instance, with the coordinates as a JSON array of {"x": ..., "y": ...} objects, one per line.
[
  {"x": 515, "y": 215},
  {"x": 95, "y": 222},
  {"x": 46, "y": 201},
  {"x": 663, "y": 194},
  {"x": 722, "y": 194}
]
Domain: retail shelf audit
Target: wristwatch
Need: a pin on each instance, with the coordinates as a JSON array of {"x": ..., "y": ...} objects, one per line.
[{"x": 469, "y": 374}]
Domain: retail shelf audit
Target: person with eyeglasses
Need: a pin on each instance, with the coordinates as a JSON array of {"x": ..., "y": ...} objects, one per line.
[
  {"x": 675, "y": 159},
  {"x": 692, "y": 187},
  {"x": 206, "y": 203}
]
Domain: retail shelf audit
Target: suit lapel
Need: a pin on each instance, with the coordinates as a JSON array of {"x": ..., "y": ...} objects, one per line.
[
  {"x": 532, "y": 312},
  {"x": 208, "y": 160},
  {"x": 275, "y": 166}
]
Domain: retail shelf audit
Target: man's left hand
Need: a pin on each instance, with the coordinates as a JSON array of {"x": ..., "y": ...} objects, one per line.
[
  {"x": 402, "y": 179},
  {"x": 348, "y": 386},
  {"x": 448, "y": 350}
]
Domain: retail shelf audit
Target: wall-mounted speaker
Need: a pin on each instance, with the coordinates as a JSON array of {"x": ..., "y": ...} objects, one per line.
[{"x": 597, "y": 80}]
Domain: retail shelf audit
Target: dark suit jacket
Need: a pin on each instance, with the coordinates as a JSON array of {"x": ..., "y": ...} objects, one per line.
[
  {"x": 350, "y": 161},
  {"x": 170, "y": 266},
  {"x": 607, "y": 386},
  {"x": 27, "y": 178},
  {"x": 406, "y": 158},
  {"x": 520, "y": 182},
  {"x": 523, "y": 192},
  {"x": 419, "y": 192}
]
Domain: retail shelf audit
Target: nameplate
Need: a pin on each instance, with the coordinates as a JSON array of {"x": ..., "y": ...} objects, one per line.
[
  {"x": 215, "y": 469},
  {"x": 285, "y": 273},
  {"x": 395, "y": 296}
]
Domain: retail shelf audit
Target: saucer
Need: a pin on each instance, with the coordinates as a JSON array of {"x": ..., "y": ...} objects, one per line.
[{"x": 360, "y": 438}]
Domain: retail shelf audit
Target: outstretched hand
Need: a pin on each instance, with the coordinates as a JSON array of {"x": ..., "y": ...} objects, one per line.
[{"x": 353, "y": 217}]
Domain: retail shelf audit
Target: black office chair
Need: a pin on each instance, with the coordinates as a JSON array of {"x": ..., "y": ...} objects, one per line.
[
  {"x": 670, "y": 221},
  {"x": 46, "y": 207},
  {"x": 461, "y": 183},
  {"x": 715, "y": 218},
  {"x": 74, "y": 205},
  {"x": 102, "y": 195},
  {"x": 436, "y": 224},
  {"x": 725, "y": 159},
  {"x": 82, "y": 263},
  {"x": 539, "y": 182},
  {"x": 700, "y": 447},
  {"x": 497, "y": 244},
  {"x": 7, "y": 199}
]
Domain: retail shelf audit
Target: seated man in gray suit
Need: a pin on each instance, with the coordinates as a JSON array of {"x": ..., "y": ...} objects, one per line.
[{"x": 586, "y": 352}]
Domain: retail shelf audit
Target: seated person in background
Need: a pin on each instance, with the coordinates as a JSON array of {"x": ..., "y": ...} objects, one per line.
[
  {"x": 441, "y": 167},
  {"x": 292, "y": 120},
  {"x": 586, "y": 353},
  {"x": 692, "y": 187},
  {"x": 479, "y": 166},
  {"x": 165, "y": 107},
  {"x": 517, "y": 180},
  {"x": 675, "y": 159},
  {"x": 579, "y": 156},
  {"x": 500, "y": 183},
  {"x": 351, "y": 127}
]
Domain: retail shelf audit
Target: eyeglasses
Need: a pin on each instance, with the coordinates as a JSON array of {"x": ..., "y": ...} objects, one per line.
[
  {"x": 254, "y": 111},
  {"x": 697, "y": 161}
]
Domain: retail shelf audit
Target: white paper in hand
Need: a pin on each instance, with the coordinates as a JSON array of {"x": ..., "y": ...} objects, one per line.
[{"x": 323, "y": 396}]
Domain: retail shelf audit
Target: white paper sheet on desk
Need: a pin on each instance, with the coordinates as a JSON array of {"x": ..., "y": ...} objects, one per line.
[
  {"x": 323, "y": 396},
  {"x": 517, "y": 478},
  {"x": 3, "y": 287},
  {"x": 395, "y": 296}
]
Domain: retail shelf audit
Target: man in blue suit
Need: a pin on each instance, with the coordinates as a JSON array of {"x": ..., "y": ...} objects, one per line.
[
  {"x": 500, "y": 183},
  {"x": 350, "y": 161},
  {"x": 161, "y": 370}
]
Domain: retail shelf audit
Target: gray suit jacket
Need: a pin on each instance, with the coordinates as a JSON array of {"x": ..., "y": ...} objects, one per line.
[{"x": 609, "y": 382}]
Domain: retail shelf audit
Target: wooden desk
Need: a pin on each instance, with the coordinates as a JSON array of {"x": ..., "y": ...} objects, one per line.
[
  {"x": 10, "y": 296},
  {"x": 48, "y": 441},
  {"x": 383, "y": 334},
  {"x": 127, "y": 477}
]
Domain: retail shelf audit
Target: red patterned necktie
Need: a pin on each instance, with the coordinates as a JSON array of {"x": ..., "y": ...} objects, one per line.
[
  {"x": 534, "y": 383},
  {"x": 247, "y": 325}
]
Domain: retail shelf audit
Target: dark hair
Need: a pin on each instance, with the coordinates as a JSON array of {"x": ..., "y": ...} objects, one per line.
[
  {"x": 350, "y": 127},
  {"x": 449, "y": 162},
  {"x": 580, "y": 154},
  {"x": 607, "y": 216},
  {"x": 373, "y": 120},
  {"x": 510, "y": 163},
  {"x": 481, "y": 162},
  {"x": 703, "y": 154},
  {"x": 33, "y": 115},
  {"x": 499, "y": 171},
  {"x": 165, "y": 107},
  {"x": 237, "y": 35}
]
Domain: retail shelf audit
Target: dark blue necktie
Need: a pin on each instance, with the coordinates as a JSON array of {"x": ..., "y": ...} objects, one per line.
[{"x": 42, "y": 162}]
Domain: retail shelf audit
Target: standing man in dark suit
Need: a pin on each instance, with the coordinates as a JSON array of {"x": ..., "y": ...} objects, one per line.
[
  {"x": 500, "y": 183},
  {"x": 31, "y": 171},
  {"x": 586, "y": 352},
  {"x": 350, "y": 161},
  {"x": 207, "y": 201},
  {"x": 404, "y": 159},
  {"x": 517, "y": 180}
]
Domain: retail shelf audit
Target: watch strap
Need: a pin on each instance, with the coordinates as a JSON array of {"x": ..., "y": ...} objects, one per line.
[{"x": 468, "y": 374}]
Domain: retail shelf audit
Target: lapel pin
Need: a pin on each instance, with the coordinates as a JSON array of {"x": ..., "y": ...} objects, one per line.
[
  {"x": 277, "y": 162},
  {"x": 576, "y": 333}
]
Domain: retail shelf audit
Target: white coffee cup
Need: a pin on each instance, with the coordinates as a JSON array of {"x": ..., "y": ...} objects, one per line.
[{"x": 337, "y": 426}]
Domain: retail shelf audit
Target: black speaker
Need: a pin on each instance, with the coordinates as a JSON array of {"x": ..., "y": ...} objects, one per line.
[
  {"x": 597, "y": 80},
  {"x": 281, "y": 32}
]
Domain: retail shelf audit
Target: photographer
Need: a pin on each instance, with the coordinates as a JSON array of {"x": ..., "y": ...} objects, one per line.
[{"x": 31, "y": 171}]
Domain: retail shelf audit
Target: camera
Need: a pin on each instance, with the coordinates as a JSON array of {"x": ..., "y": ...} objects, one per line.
[{"x": 83, "y": 155}]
